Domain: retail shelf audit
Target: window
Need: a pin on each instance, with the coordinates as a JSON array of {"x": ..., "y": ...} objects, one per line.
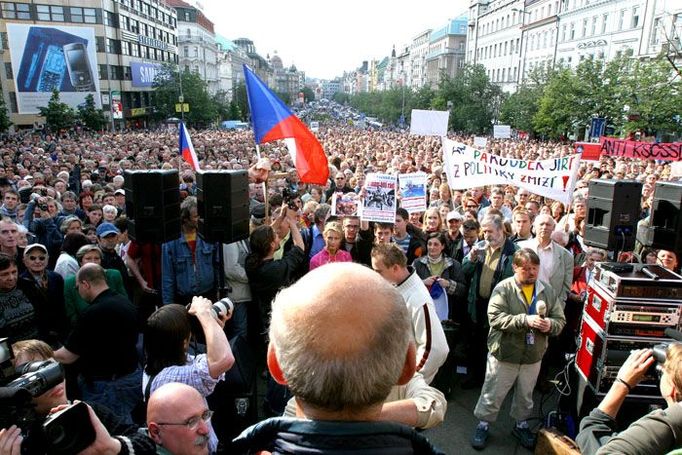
[
  {"x": 77, "y": 14},
  {"x": 571, "y": 32},
  {"x": 134, "y": 26},
  {"x": 13, "y": 103},
  {"x": 15, "y": 10},
  {"x": 196, "y": 51},
  {"x": 544, "y": 39},
  {"x": 584, "y": 28},
  {"x": 549, "y": 9},
  {"x": 124, "y": 21},
  {"x": 563, "y": 33},
  {"x": 99, "y": 44},
  {"x": 605, "y": 21},
  {"x": 634, "y": 23},
  {"x": 134, "y": 49},
  {"x": 593, "y": 30},
  {"x": 43, "y": 12},
  {"x": 8, "y": 71},
  {"x": 125, "y": 48},
  {"x": 505, "y": 48},
  {"x": 102, "y": 72},
  {"x": 621, "y": 19},
  {"x": 110, "y": 19}
]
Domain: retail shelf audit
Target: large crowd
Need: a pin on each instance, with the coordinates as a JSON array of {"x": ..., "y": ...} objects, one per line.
[{"x": 493, "y": 279}]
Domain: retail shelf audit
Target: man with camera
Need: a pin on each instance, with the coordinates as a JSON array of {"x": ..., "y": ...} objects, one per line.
[
  {"x": 166, "y": 342},
  {"x": 108, "y": 434},
  {"x": 657, "y": 432},
  {"x": 104, "y": 339}
]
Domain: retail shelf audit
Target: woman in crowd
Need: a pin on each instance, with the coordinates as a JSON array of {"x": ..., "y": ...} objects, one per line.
[
  {"x": 67, "y": 264},
  {"x": 668, "y": 259},
  {"x": 333, "y": 235},
  {"x": 109, "y": 213},
  {"x": 558, "y": 211},
  {"x": 443, "y": 276},
  {"x": 94, "y": 215},
  {"x": 432, "y": 221}
]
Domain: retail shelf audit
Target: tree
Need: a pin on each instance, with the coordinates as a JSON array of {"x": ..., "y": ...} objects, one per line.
[
  {"x": 474, "y": 100},
  {"x": 242, "y": 101},
  {"x": 90, "y": 116},
  {"x": 58, "y": 115},
  {"x": 167, "y": 88},
  {"x": 308, "y": 94},
  {"x": 520, "y": 107},
  {"x": 4, "y": 115},
  {"x": 554, "y": 117}
]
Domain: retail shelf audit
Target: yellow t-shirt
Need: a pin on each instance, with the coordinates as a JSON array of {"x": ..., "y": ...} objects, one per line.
[{"x": 528, "y": 292}]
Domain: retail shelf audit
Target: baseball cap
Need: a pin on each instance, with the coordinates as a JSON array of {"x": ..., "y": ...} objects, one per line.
[
  {"x": 105, "y": 229},
  {"x": 120, "y": 191},
  {"x": 32, "y": 247},
  {"x": 454, "y": 215}
]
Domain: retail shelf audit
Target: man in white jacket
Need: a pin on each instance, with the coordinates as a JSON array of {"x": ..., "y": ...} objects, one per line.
[{"x": 389, "y": 261}]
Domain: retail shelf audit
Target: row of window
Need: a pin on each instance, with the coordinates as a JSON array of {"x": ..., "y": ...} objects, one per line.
[
  {"x": 114, "y": 46},
  {"x": 499, "y": 50},
  {"x": 50, "y": 13},
  {"x": 150, "y": 11},
  {"x": 598, "y": 25},
  {"x": 517, "y": 18},
  {"x": 502, "y": 74}
]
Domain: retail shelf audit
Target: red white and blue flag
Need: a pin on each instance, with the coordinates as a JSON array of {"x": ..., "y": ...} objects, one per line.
[
  {"x": 187, "y": 149},
  {"x": 272, "y": 120}
]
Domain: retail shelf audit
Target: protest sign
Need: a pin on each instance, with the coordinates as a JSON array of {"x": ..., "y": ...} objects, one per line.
[
  {"x": 345, "y": 204},
  {"x": 413, "y": 191},
  {"x": 664, "y": 151},
  {"x": 591, "y": 151},
  {"x": 429, "y": 123},
  {"x": 379, "y": 201},
  {"x": 501, "y": 131},
  {"x": 480, "y": 141},
  {"x": 467, "y": 167}
]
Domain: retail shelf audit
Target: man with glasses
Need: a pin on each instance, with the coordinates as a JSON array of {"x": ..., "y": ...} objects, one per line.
[
  {"x": 359, "y": 248},
  {"x": 177, "y": 420},
  {"x": 340, "y": 185}
]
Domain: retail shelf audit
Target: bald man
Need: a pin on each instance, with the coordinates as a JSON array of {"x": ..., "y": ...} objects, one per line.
[
  {"x": 357, "y": 345},
  {"x": 177, "y": 420}
]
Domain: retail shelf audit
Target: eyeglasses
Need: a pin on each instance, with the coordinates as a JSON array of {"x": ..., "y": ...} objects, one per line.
[
  {"x": 340, "y": 178},
  {"x": 471, "y": 206},
  {"x": 37, "y": 258},
  {"x": 193, "y": 422}
]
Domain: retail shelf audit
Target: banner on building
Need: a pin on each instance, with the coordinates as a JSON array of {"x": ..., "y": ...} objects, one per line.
[
  {"x": 144, "y": 74},
  {"x": 467, "y": 167},
  {"x": 379, "y": 202},
  {"x": 413, "y": 191},
  {"x": 501, "y": 131},
  {"x": 429, "y": 123},
  {"x": 116, "y": 105},
  {"x": 59, "y": 58},
  {"x": 664, "y": 151},
  {"x": 591, "y": 151}
]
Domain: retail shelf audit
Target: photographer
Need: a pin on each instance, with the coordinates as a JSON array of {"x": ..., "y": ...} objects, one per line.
[
  {"x": 166, "y": 343},
  {"x": 658, "y": 432},
  {"x": 105, "y": 422}
]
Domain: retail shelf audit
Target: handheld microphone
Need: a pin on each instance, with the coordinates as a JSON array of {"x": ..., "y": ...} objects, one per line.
[{"x": 542, "y": 309}]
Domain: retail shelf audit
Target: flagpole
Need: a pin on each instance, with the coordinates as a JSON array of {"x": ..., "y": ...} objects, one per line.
[{"x": 265, "y": 185}]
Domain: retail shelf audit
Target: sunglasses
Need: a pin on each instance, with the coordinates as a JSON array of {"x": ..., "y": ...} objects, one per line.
[{"x": 37, "y": 258}]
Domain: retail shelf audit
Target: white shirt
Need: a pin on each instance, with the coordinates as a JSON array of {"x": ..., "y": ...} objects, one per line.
[{"x": 546, "y": 256}]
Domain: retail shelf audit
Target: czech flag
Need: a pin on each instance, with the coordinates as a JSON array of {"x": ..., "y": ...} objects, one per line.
[
  {"x": 273, "y": 120},
  {"x": 187, "y": 149}
]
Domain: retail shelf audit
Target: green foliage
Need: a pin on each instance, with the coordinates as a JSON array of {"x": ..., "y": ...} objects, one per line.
[
  {"x": 58, "y": 115},
  {"x": 203, "y": 109},
  {"x": 341, "y": 98},
  {"x": 519, "y": 108},
  {"x": 242, "y": 100},
  {"x": 90, "y": 116},
  {"x": 308, "y": 94},
  {"x": 4, "y": 115},
  {"x": 387, "y": 106}
]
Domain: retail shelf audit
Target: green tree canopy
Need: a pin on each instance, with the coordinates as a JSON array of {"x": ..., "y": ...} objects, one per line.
[
  {"x": 90, "y": 116},
  {"x": 58, "y": 115},
  {"x": 167, "y": 87}
]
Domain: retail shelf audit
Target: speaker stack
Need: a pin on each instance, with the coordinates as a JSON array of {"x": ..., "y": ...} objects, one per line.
[
  {"x": 664, "y": 230},
  {"x": 153, "y": 205},
  {"x": 613, "y": 209},
  {"x": 223, "y": 205}
]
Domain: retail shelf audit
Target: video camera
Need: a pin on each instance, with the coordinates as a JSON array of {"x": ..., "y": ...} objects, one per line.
[
  {"x": 290, "y": 197},
  {"x": 62, "y": 433},
  {"x": 661, "y": 350}
]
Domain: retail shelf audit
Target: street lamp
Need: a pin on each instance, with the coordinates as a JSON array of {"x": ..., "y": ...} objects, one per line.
[{"x": 402, "y": 110}]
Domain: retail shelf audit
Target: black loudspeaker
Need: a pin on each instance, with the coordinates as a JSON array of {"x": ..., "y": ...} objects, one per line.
[
  {"x": 153, "y": 205},
  {"x": 613, "y": 209},
  {"x": 223, "y": 203},
  {"x": 664, "y": 230}
]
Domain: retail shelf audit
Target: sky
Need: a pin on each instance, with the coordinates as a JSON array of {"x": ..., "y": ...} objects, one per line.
[{"x": 324, "y": 41}]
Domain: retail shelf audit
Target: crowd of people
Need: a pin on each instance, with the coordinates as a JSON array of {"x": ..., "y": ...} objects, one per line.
[{"x": 504, "y": 269}]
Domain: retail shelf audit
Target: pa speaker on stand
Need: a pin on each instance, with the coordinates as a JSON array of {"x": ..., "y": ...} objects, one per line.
[
  {"x": 153, "y": 205},
  {"x": 613, "y": 208},
  {"x": 665, "y": 223}
]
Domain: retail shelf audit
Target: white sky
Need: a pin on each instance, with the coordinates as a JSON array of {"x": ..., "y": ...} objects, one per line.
[{"x": 324, "y": 40}]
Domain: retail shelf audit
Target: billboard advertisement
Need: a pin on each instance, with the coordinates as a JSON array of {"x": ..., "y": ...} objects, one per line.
[
  {"x": 144, "y": 73},
  {"x": 116, "y": 105},
  {"x": 48, "y": 58}
]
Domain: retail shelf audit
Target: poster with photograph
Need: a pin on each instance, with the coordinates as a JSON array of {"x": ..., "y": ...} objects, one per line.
[
  {"x": 45, "y": 59},
  {"x": 379, "y": 202},
  {"x": 345, "y": 204},
  {"x": 413, "y": 191}
]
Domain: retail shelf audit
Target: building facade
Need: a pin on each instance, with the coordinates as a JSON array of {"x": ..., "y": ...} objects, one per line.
[
  {"x": 197, "y": 48},
  {"x": 110, "y": 49},
  {"x": 446, "y": 51}
]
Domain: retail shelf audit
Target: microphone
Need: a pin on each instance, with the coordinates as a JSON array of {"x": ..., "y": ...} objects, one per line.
[{"x": 542, "y": 309}]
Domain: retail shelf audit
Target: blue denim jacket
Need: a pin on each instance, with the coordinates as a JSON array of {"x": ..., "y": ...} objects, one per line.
[{"x": 179, "y": 275}]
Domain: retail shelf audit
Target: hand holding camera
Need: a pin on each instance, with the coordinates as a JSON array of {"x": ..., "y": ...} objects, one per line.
[
  {"x": 203, "y": 308},
  {"x": 636, "y": 366}
]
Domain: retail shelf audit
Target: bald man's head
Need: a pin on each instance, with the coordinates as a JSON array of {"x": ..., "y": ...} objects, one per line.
[
  {"x": 339, "y": 337},
  {"x": 170, "y": 411}
]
